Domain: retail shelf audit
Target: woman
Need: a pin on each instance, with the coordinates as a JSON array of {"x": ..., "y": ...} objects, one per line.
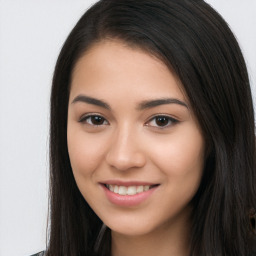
[{"x": 152, "y": 134}]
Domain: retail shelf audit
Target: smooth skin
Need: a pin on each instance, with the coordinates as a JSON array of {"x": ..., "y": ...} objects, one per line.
[{"x": 129, "y": 120}]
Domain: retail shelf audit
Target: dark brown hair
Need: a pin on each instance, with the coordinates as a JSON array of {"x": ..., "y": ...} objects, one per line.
[{"x": 197, "y": 45}]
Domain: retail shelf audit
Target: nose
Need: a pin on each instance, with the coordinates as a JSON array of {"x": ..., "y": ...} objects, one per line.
[{"x": 125, "y": 151}]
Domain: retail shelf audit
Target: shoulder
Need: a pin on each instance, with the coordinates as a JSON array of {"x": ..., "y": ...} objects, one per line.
[{"x": 39, "y": 254}]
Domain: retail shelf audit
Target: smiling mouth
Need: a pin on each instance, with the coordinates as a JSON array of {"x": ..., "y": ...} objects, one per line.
[{"x": 128, "y": 190}]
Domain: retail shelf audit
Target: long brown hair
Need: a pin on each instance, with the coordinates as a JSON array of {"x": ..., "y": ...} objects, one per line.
[{"x": 195, "y": 43}]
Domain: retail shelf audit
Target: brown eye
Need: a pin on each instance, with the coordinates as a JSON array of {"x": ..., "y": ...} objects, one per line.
[
  {"x": 95, "y": 120},
  {"x": 162, "y": 121}
]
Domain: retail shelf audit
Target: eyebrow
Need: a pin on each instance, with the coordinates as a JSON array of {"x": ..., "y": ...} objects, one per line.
[
  {"x": 154, "y": 103},
  {"x": 90, "y": 100},
  {"x": 143, "y": 105}
]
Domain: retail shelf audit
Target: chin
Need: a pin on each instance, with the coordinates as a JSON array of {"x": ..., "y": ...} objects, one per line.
[
  {"x": 130, "y": 228},
  {"x": 131, "y": 231}
]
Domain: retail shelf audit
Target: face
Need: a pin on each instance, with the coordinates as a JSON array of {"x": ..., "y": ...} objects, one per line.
[{"x": 136, "y": 150}]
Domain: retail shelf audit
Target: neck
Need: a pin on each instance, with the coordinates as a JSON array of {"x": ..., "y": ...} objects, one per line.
[{"x": 166, "y": 240}]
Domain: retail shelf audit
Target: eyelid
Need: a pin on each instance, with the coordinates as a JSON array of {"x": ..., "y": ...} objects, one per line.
[
  {"x": 84, "y": 117},
  {"x": 173, "y": 121}
]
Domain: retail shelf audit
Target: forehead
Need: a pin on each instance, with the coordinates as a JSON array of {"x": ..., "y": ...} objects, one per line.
[{"x": 111, "y": 66}]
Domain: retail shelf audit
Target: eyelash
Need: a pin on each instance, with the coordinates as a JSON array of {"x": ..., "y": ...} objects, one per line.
[
  {"x": 170, "y": 121},
  {"x": 84, "y": 119}
]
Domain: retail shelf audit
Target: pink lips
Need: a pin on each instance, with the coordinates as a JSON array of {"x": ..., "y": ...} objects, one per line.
[{"x": 127, "y": 200}]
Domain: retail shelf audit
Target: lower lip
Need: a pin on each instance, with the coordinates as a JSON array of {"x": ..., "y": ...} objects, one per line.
[{"x": 128, "y": 200}]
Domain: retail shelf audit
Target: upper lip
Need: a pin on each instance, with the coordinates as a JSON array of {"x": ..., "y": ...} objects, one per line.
[{"x": 127, "y": 183}]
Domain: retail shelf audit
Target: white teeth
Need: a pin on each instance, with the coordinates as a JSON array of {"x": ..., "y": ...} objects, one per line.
[
  {"x": 116, "y": 189},
  {"x": 130, "y": 190},
  {"x": 146, "y": 188},
  {"x": 122, "y": 190},
  {"x": 139, "y": 189}
]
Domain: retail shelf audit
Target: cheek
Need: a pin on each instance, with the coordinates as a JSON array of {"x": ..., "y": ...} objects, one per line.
[
  {"x": 85, "y": 152},
  {"x": 181, "y": 157}
]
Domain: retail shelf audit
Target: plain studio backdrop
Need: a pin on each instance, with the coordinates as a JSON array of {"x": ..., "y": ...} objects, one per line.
[{"x": 31, "y": 35}]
